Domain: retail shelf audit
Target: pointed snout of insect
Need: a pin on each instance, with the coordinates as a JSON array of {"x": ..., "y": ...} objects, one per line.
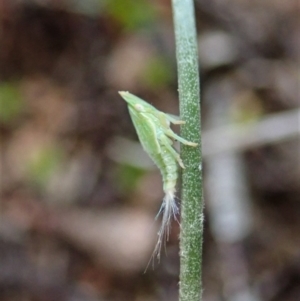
[
  {"x": 126, "y": 96},
  {"x": 123, "y": 93}
]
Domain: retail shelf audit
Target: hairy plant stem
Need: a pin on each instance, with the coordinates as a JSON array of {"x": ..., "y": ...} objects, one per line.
[{"x": 192, "y": 192}]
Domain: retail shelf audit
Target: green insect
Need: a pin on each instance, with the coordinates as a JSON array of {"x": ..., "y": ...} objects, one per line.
[{"x": 156, "y": 137}]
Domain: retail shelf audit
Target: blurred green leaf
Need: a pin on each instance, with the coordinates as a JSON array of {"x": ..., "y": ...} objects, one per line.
[
  {"x": 132, "y": 14},
  {"x": 128, "y": 177},
  {"x": 42, "y": 166},
  {"x": 158, "y": 72},
  {"x": 10, "y": 102}
]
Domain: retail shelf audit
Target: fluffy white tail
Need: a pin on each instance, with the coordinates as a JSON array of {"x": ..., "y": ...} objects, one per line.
[{"x": 169, "y": 209}]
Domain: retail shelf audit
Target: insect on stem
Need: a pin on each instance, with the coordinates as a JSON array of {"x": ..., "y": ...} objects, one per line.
[{"x": 156, "y": 136}]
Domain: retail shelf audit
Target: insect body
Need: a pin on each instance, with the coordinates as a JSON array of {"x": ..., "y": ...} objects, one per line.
[{"x": 156, "y": 137}]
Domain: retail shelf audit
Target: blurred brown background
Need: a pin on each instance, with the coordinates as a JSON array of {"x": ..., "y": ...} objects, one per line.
[{"x": 79, "y": 195}]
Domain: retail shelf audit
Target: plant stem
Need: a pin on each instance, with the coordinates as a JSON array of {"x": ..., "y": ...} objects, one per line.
[{"x": 192, "y": 194}]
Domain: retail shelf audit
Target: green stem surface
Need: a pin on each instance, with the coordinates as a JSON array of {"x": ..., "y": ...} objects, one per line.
[{"x": 192, "y": 192}]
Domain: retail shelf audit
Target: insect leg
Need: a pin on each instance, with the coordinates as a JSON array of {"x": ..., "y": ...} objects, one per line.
[
  {"x": 167, "y": 143},
  {"x": 174, "y": 119},
  {"x": 171, "y": 134}
]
